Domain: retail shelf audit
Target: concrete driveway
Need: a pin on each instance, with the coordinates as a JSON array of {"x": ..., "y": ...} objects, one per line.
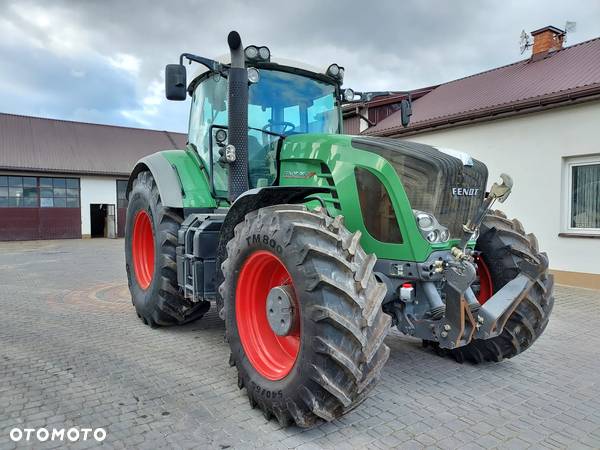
[{"x": 74, "y": 354}]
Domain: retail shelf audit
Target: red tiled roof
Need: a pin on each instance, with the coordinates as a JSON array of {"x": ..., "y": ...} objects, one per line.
[
  {"x": 567, "y": 73},
  {"x": 35, "y": 143}
]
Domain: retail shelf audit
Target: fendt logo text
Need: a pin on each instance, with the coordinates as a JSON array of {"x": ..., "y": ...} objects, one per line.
[
  {"x": 464, "y": 192},
  {"x": 57, "y": 434}
]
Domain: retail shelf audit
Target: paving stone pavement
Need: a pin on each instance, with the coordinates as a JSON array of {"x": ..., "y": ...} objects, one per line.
[{"x": 74, "y": 354}]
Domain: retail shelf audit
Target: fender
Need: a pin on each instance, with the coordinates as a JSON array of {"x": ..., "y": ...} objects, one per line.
[
  {"x": 260, "y": 198},
  {"x": 255, "y": 199},
  {"x": 179, "y": 177},
  {"x": 165, "y": 177}
]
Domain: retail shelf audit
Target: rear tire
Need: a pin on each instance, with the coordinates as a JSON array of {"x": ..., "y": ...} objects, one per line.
[
  {"x": 150, "y": 243},
  {"x": 340, "y": 321},
  {"x": 505, "y": 250}
]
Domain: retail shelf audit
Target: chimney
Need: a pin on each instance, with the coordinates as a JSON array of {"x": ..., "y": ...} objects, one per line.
[{"x": 547, "y": 39}]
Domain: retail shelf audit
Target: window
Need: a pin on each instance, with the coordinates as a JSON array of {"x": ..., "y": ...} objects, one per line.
[
  {"x": 53, "y": 192},
  {"x": 121, "y": 190},
  {"x": 59, "y": 192},
  {"x": 582, "y": 188},
  {"x": 280, "y": 103},
  {"x": 18, "y": 192},
  {"x": 378, "y": 212},
  {"x": 209, "y": 107}
]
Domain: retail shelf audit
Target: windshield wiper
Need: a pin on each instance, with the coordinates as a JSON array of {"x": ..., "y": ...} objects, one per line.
[{"x": 272, "y": 133}]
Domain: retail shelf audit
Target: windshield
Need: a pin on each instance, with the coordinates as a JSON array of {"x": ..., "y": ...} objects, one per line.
[
  {"x": 286, "y": 103},
  {"x": 280, "y": 103}
]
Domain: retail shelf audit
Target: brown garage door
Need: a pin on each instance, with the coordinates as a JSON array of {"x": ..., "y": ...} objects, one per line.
[{"x": 39, "y": 208}]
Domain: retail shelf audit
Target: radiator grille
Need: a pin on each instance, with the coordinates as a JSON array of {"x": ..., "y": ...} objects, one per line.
[{"x": 432, "y": 179}]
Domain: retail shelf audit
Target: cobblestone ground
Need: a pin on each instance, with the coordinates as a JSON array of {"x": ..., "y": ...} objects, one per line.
[{"x": 73, "y": 353}]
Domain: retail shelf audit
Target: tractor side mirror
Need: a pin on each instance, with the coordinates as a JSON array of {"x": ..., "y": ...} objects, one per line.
[
  {"x": 175, "y": 82},
  {"x": 405, "y": 112}
]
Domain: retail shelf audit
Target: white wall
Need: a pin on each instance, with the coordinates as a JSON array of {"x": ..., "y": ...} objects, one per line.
[
  {"x": 531, "y": 149},
  {"x": 95, "y": 190}
]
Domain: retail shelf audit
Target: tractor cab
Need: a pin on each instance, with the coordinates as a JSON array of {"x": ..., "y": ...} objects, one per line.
[{"x": 284, "y": 98}]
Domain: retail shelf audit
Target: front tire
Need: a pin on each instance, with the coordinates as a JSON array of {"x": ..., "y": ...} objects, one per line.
[
  {"x": 333, "y": 355},
  {"x": 150, "y": 243}
]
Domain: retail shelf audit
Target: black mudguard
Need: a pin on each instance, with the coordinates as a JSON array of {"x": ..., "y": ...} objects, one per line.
[{"x": 250, "y": 201}]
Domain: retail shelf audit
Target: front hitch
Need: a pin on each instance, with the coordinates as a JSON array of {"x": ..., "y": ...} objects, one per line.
[
  {"x": 497, "y": 309},
  {"x": 461, "y": 321},
  {"x": 458, "y": 324},
  {"x": 461, "y": 324}
]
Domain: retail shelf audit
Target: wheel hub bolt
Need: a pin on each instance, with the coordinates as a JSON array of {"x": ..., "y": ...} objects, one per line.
[
  {"x": 280, "y": 309},
  {"x": 447, "y": 327}
]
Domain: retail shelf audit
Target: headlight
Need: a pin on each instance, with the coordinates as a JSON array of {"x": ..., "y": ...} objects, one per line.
[
  {"x": 424, "y": 220},
  {"x": 251, "y": 52},
  {"x": 253, "y": 75},
  {"x": 221, "y": 135},
  {"x": 444, "y": 235},
  {"x": 348, "y": 95},
  {"x": 254, "y": 53},
  {"x": 333, "y": 70},
  {"x": 430, "y": 228},
  {"x": 433, "y": 236},
  {"x": 264, "y": 53}
]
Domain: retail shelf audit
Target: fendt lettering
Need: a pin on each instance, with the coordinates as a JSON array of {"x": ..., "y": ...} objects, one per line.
[{"x": 465, "y": 192}]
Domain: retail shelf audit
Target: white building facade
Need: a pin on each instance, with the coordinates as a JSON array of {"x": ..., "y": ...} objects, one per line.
[{"x": 542, "y": 152}]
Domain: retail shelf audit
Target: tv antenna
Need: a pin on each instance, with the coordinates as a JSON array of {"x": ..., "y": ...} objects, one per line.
[{"x": 524, "y": 42}]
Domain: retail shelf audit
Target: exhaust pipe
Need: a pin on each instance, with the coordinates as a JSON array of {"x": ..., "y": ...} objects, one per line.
[{"x": 238, "y": 117}]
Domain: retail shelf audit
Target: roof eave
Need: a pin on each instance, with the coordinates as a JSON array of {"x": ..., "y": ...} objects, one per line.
[
  {"x": 50, "y": 170},
  {"x": 547, "y": 28},
  {"x": 573, "y": 96}
]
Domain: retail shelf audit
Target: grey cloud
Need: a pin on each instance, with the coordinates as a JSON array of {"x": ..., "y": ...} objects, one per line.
[
  {"x": 383, "y": 44},
  {"x": 33, "y": 82}
]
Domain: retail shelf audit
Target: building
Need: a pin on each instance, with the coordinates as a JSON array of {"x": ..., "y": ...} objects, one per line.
[
  {"x": 61, "y": 179},
  {"x": 537, "y": 120}
]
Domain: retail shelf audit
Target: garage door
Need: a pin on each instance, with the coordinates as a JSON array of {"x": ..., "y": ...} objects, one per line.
[{"x": 39, "y": 208}]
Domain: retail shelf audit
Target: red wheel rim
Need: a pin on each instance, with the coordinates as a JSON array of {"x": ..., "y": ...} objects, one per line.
[
  {"x": 486, "y": 286},
  {"x": 143, "y": 249},
  {"x": 272, "y": 356}
]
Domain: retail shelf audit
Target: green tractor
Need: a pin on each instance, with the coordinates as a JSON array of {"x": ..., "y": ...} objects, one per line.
[{"x": 310, "y": 244}]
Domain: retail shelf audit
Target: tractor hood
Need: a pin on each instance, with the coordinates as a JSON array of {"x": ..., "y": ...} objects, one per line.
[{"x": 446, "y": 183}]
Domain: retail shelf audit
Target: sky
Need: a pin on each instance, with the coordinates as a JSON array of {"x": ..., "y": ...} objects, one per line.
[{"x": 102, "y": 61}]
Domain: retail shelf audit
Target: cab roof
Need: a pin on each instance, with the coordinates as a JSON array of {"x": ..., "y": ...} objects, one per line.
[{"x": 284, "y": 62}]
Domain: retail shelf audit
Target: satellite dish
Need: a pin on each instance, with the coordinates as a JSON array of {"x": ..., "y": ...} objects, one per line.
[{"x": 524, "y": 42}]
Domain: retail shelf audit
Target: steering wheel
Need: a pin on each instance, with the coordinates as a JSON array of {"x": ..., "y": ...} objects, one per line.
[{"x": 269, "y": 126}]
